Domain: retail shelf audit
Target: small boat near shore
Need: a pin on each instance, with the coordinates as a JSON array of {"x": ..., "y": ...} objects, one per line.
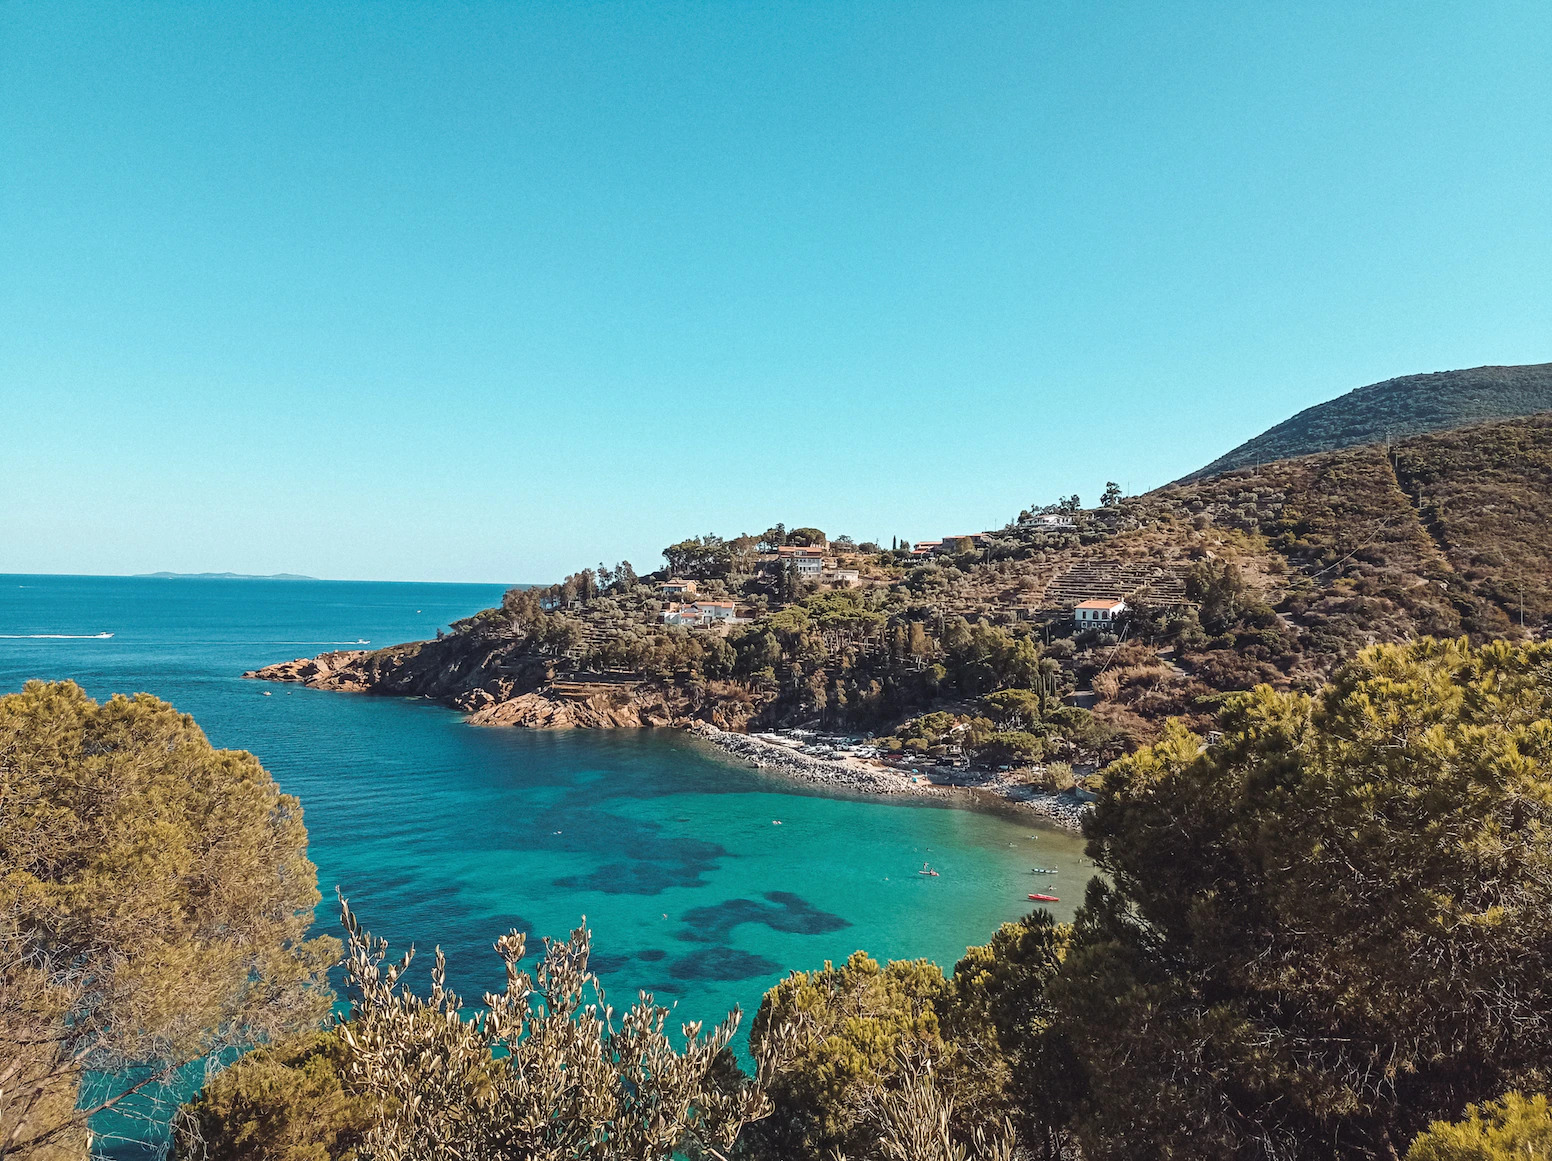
[
  {"x": 1042, "y": 870},
  {"x": 1045, "y": 898},
  {"x": 927, "y": 870}
]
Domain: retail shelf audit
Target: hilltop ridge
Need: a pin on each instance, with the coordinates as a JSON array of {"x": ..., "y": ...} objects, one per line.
[{"x": 1395, "y": 409}]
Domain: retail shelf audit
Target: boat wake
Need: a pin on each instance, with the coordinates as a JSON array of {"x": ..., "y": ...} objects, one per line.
[
  {"x": 357, "y": 641},
  {"x": 54, "y": 636}
]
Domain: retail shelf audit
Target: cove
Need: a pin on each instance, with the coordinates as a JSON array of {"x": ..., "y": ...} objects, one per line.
[{"x": 444, "y": 833}]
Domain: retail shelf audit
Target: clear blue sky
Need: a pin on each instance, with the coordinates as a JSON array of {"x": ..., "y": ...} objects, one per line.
[{"x": 495, "y": 291}]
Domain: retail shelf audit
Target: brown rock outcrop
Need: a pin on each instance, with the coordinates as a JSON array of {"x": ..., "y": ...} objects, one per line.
[
  {"x": 495, "y": 686},
  {"x": 326, "y": 671}
]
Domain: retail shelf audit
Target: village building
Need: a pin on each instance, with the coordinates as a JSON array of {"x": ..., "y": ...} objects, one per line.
[
  {"x": 698, "y": 614},
  {"x": 959, "y": 543},
  {"x": 844, "y": 577},
  {"x": 949, "y": 544},
  {"x": 1097, "y": 614},
  {"x": 806, "y": 560},
  {"x": 676, "y": 587}
]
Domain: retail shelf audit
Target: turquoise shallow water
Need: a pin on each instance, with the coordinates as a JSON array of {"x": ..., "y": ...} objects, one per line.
[{"x": 440, "y": 832}]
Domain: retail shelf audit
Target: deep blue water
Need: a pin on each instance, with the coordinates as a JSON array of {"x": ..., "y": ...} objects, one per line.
[{"x": 444, "y": 833}]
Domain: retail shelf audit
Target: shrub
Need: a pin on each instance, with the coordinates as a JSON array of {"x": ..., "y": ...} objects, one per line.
[{"x": 1329, "y": 929}]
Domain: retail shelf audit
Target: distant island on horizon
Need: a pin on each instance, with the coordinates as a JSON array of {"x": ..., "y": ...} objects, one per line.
[{"x": 221, "y": 576}]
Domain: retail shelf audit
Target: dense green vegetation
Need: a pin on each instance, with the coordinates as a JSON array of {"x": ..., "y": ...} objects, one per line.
[
  {"x": 1276, "y": 575},
  {"x": 287, "y": 1101},
  {"x": 1327, "y": 932},
  {"x": 1331, "y": 926},
  {"x": 1395, "y": 409},
  {"x": 154, "y": 899}
]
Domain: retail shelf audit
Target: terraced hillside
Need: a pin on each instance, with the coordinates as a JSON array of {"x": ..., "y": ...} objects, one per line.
[{"x": 1395, "y": 409}]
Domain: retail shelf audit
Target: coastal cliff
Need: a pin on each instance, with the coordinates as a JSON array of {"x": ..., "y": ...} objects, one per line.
[{"x": 495, "y": 683}]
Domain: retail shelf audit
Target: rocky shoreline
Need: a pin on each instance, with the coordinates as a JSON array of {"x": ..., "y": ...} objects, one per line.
[
  {"x": 407, "y": 671},
  {"x": 768, "y": 755},
  {"x": 1063, "y": 810}
]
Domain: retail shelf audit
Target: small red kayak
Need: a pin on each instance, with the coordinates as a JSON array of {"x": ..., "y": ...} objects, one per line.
[{"x": 1045, "y": 898}]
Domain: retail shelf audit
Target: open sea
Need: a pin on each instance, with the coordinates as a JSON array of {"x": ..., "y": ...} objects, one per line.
[{"x": 444, "y": 833}]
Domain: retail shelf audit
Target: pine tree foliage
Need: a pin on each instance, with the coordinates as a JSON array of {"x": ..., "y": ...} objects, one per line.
[
  {"x": 1330, "y": 928},
  {"x": 283, "y": 1102},
  {"x": 1516, "y": 1128},
  {"x": 155, "y": 896}
]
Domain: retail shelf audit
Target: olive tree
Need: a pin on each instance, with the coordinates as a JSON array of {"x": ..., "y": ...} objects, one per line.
[{"x": 544, "y": 1073}]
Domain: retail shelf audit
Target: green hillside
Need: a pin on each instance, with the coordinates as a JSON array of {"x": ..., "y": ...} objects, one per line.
[
  {"x": 1274, "y": 574},
  {"x": 1395, "y": 409}
]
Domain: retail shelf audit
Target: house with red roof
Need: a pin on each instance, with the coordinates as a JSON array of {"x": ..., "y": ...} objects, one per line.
[{"x": 1097, "y": 614}]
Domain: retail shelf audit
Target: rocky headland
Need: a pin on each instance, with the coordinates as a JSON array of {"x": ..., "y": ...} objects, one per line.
[
  {"x": 422, "y": 670},
  {"x": 495, "y": 688}
]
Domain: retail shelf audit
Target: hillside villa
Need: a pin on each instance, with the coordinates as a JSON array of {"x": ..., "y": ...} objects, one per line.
[
  {"x": 699, "y": 614},
  {"x": 949, "y": 544},
  {"x": 806, "y": 560},
  {"x": 1097, "y": 614}
]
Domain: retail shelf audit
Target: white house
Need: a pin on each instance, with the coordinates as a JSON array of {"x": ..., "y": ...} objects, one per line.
[
  {"x": 1055, "y": 520},
  {"x": 1097, "y": 614},
  {"x": 699, "y": 613},
  {"x": 849, "y": 577},
  {"x": 808, "y": 560}
]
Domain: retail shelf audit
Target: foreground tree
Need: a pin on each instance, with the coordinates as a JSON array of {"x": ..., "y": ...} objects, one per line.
[
  {"x": 868, "y": 1073},
  {"x": 1331, "y": 928},
  {"x": 543, "y": 1073},
  {"x": 154, "y": 900},
  {"x": 1004, "y": 1029}
]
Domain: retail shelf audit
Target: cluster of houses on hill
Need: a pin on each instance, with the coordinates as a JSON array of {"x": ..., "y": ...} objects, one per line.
[
  {"x": 949, "y": 545},
  {"x": 684, "y": 607},
  {"x": 694, "y": 614}
]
